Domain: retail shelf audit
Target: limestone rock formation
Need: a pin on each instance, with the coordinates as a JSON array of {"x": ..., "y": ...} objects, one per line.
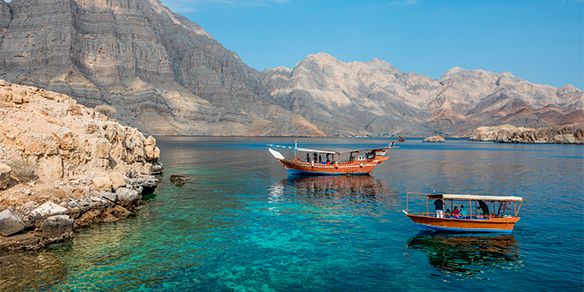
[
  {"x": 57, "y": 226},
  {"x": 5, "y": 18},
  {"x": 511, "y": 134},
  {"x": 62, "y": 157},
  {"x": 434, "y": 139},
  {"x": 375, "y": 98},
  {"x": 162, "y": 73},
  {"x": 348, "y": 99},
  {"x": 10, "y": 223},
  {"x": 46, "y": 210}
]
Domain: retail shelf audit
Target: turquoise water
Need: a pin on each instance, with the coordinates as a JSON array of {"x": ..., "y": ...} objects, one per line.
[{"x": 242, "y": 224}]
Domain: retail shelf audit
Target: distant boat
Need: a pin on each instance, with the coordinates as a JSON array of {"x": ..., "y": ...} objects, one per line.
[
  {"x": 355, "y": 162},
  {"x": 499, "y": 218}
]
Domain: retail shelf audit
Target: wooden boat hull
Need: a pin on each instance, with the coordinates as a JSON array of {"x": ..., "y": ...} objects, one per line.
[
  {"x": 350, "y": 168},
  {"x": 454, "y": 225}
]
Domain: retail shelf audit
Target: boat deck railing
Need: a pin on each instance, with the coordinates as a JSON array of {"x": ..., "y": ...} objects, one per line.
[{"x": 336, "y": 162}]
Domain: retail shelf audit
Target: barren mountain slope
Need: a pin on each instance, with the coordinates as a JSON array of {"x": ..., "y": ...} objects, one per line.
[
  {"x": 376, "y": 98},
  {"x": 162, "y": 72}
]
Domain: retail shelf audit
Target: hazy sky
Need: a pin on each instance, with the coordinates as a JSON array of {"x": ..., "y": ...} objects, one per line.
[{"x": 541, "y": 41}]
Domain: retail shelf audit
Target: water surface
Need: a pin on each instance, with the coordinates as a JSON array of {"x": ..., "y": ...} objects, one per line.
[{"x": 242, "y": 224}]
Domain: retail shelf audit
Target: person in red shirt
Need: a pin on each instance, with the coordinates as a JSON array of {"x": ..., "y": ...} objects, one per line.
[{"x": 455, "y": 212}]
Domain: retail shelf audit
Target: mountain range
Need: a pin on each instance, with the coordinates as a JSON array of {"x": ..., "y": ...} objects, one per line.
[{"x": 167, "y": 75}]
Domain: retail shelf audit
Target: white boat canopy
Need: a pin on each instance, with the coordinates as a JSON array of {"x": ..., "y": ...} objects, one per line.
[
  {"x": 328, "y": 151},
  {"x": 479, "y": 197},
  {"x": 303, "y": 149}
]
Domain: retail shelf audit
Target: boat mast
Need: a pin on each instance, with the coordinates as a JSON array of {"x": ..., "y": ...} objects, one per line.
[{"x": 295, "y": 148}]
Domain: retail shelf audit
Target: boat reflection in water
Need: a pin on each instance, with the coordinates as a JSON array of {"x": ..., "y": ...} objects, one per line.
[
  {"x": 355, "y": 192},
  {"x": 336, "y": 186},
  {"x": 468, "y": 255}
]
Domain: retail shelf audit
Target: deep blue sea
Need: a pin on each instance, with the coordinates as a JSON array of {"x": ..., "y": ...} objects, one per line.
[{"x": 242, "y": 224}]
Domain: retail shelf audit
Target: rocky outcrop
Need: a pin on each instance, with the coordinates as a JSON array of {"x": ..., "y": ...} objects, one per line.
[
  {"x": 58, "y": 226},
  {"x": 63, "y": 165},
  {"x": 375, "y": 98},
  {"x": 511, "y": 134},
  {"x": 434, "y": 139},
  {"x": 10, "y": 223}
]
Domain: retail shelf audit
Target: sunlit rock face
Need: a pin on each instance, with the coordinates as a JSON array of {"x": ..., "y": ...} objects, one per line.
[
  {"x": 376, "y": 98},
  {"x": 511, "y": 134},
  {"x": 66, "y": 145},
  {"x": 65, "y": 166}
]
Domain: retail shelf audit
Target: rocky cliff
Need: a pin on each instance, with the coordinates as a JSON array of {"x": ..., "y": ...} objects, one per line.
[
  {"x": 163, "y": 73},
  {"x": 59, "y": 158},
  {"x": 376, "y": 98},
  {"x": 511, "y": 134}
]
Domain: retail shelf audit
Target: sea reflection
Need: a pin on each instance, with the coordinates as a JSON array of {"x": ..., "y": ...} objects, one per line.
[
  {"x": 350, "y": 190},
  {"x": 337, "y": 186},
  {"x": 30, "y": 270},
  {"x": 468, "y": 255}
]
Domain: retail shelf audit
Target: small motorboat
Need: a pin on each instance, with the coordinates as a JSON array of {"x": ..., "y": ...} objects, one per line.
[
  {"x": 327, "y": 162},
  {"x": 499, "y": 217}
]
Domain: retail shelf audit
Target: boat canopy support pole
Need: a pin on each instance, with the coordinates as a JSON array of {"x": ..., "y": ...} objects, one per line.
[{"x": 517, "y": 212}]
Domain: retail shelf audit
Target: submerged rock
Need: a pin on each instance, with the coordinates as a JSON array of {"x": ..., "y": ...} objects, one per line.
[
  {"x": 10, "y": 223},
  {"x": 179, "y": 179},
  {"x": 434, "y": 139}
]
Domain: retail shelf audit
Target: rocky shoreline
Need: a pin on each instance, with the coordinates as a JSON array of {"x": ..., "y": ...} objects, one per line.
[
  {"x": 64, "y": 167},
  {"x": 434, "y": 139},
  {"x": 511, "y": 134}
]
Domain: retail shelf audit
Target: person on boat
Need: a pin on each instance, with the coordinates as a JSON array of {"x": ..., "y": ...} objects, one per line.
[
  {"x": 439, "y": 206},
  {"x": 307, "y": 157},
  {"x": 485, "y": 208},
  {"x": 314, "y": 156},
  {"x": 462, "y": 212},
  {"x": 319, "y": 159},
  {"x": 455, "y": 212},
  {"x": 448, "y": 214}
]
